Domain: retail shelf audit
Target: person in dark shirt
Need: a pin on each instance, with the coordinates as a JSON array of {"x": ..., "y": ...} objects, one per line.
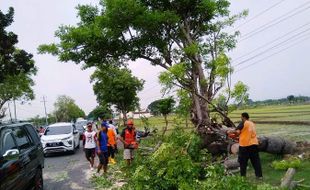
[
  {"x": 102, "y": 148},
  {"x": 248, "y": 146}
]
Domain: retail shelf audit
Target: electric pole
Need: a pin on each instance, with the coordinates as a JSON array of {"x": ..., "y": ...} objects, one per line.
[
  {"x": 10, "y": 111},
  {"x": 44, "y": 101},
  {"x": 15, "y": 111}
]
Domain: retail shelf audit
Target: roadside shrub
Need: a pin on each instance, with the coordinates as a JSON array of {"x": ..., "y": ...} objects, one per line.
[
  {"x": 180, "y": 164},
  {"x": 292, "y": 162}
]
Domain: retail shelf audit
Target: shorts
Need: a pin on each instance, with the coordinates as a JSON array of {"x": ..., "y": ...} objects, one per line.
[
  {"x": 103, "y": 158},
  {"x": 128, "y": 154},
  {"x": 90, "y": 152}
]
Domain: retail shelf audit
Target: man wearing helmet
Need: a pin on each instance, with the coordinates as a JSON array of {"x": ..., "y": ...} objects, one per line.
[{"x": 128, "y": 137}]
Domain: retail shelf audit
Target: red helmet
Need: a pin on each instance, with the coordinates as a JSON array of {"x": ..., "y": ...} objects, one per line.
[{"x": 130, "y": 122}]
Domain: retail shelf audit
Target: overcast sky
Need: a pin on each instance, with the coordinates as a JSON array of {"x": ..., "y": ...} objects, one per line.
[{"x": 272, "y": 74}]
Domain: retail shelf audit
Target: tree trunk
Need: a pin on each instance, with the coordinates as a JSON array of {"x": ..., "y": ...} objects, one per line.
[
  {"x": 287, "y": 179},
  {"x": 124, "y": 112},
  {"x": 166, "y": 127},
  {"x": 272, "y": 145}
]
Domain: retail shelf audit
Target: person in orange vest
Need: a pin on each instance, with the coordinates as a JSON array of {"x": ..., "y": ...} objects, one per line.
[
  {"x": 248, "y": 146},
  {"x": 128, "y": 137},
  {"x": 111, "y": 145}
]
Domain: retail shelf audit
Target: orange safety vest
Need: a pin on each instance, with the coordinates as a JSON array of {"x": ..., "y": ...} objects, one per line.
[
  {"x": 248, "y": 134},
  {"x": 129, "y": 136}
]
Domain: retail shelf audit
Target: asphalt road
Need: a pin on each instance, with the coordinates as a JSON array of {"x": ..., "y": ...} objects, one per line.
[{"x": 67, "y": 171}]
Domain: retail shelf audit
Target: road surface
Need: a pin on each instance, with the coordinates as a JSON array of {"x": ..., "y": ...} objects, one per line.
[{"x": 67, "y": 171}]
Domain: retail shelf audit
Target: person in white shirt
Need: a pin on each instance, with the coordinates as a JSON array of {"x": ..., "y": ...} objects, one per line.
[
  {"x": 111, "y": 126},
  {"x": 89, "y": 144}
]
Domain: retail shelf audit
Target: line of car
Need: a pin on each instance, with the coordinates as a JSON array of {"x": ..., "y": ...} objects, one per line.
[{"x": 22, "y": 151}]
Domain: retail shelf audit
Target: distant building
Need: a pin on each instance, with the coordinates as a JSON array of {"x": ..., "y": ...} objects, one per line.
[{"x": 134, "y": 115}]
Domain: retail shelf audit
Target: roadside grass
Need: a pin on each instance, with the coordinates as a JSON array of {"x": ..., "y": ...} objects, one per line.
[
  {"x": 273, "y": 176},
  {"x": 114, "y": 178}
]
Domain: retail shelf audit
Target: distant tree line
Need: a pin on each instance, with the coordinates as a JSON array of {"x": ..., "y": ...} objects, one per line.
[{"x": 291, "y": 99}]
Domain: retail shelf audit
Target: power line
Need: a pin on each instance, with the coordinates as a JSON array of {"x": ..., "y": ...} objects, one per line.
[
  {"x": 261, "y": 13},
  {"x": 296, "y": 36},
  {"x": 271, "y": 42},
  {"x": 276, "y": 21},
  {"x": 243, "y": 68},
  {"x": 148, "y": 89}
]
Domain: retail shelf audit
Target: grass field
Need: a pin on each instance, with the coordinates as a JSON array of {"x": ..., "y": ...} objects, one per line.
[{"x": 291, "y": 121}]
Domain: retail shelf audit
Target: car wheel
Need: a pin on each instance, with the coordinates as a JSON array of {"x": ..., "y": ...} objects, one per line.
[
  {"x": 45, "y": 154},
  {"x": 38, "y": 180}
]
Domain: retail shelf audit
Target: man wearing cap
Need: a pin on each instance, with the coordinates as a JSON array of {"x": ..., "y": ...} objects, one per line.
[
  {"x": 128, "y": 137},
  {"x": 89, "y": 144}
]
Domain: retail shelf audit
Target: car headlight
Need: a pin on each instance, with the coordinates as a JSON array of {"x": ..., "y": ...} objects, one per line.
[{"x": 66, "y": 139}]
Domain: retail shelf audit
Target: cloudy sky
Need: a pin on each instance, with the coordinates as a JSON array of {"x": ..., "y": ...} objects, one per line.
[{"x": 272, "y": 56}]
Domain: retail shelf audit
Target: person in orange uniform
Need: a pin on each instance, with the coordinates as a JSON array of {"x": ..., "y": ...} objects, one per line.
[
  {"x": 128, "y": 137},
  {"x": 248, "y": 146},
  {"x": 111, "y": 145}
]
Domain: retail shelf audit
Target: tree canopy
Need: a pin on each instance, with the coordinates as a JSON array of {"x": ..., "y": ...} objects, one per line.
[
  {"x": 101, "y": 111},
  {"x": 13, "y": 61},
  {"x": 117, "y": 86},
  {"x": 184, "y": 37},
  {"x": 66, "y": 110}
]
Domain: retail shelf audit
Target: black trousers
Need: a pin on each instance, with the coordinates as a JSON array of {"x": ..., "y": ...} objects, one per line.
[
  {"x": 111, "y": 151},
  {"x": 246, "y": 153}
]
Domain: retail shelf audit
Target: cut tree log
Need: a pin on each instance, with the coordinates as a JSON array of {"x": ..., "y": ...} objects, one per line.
[
  {"x": 234, "y": 149},
  {"x": 276, "y": 145},
  {"x": 288, "y": 177},
  {"x": 231, "y": 164},
  {"x": 273, "y": 145}
]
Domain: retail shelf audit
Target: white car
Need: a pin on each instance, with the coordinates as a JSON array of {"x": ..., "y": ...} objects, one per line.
[{"x": 60, "y": 137}]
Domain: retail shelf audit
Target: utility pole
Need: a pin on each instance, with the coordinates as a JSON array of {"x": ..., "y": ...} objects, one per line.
[
  {"x": 10, "y": 111},
  {"x": 46, "y": 122},
  {"x": 15, "y": 111}
]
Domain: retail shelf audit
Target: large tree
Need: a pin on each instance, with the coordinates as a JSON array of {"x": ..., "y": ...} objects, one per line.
[
  {"x": 66, "y": 110},
  {"x": 187, "y": 38},
  {"x": 13, "y": 61},
  {"x": 101, "y": 111},
  {"x": 117, "y": 86},
  {"x": 153, "y": 107},
  {"x": 165, "y": 107},
  {"x": 16, "y": 66}
]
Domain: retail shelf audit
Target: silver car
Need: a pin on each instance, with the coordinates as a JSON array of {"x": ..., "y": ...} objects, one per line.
[{"x": 60, "y": 137}]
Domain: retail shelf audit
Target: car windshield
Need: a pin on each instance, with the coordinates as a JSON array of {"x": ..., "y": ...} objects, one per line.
[
  {"x": 80, "y": 124},
  {"x": 58, "y": 130}
]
